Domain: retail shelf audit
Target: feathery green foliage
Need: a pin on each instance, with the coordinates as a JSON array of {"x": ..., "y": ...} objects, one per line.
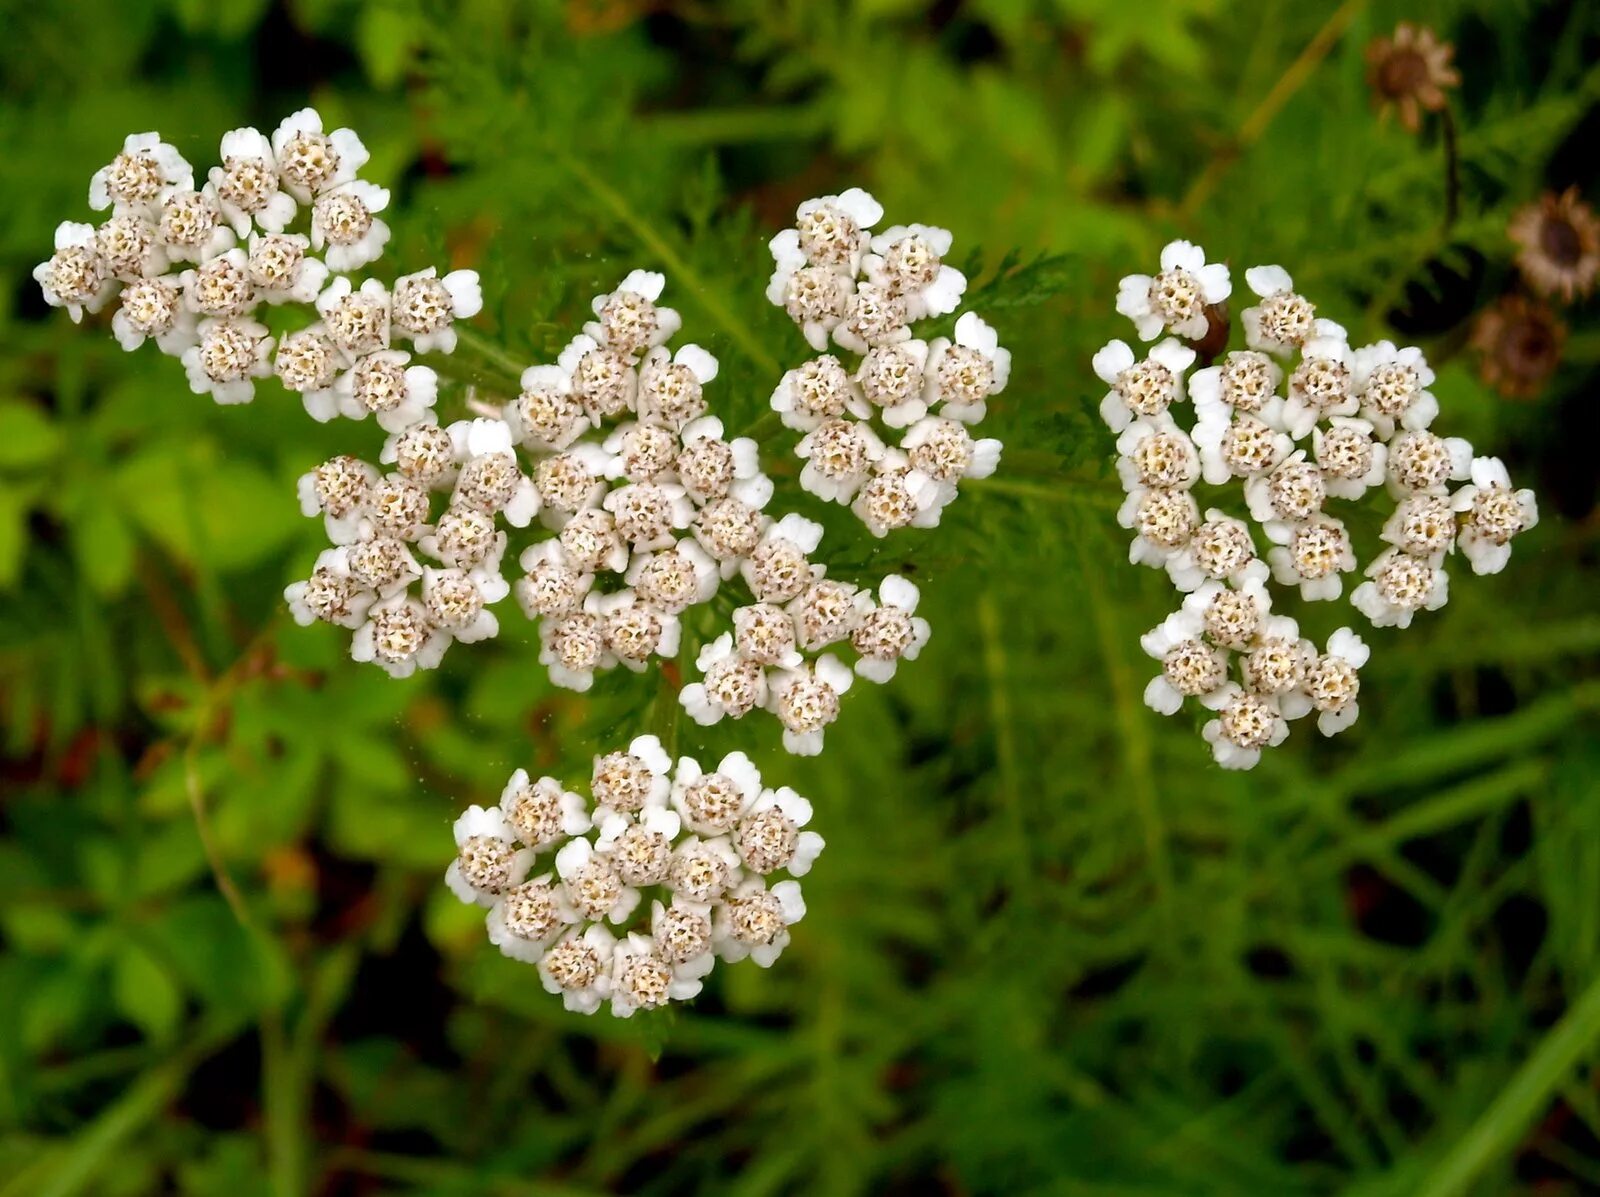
[{"x": 1050, "y": 948}]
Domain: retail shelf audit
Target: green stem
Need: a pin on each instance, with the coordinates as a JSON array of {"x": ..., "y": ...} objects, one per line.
[
  {"x": 737, "y": 330},
  {"x": 1503, "y": 1125}
]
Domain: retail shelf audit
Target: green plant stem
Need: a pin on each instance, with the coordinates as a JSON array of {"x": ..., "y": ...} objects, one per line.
[
  {"x": 647, "y": 235},
  {"x": 1502, "y": 1126}
]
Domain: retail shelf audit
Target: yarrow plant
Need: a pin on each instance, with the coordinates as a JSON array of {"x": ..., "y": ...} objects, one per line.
[
  {"x": 631, "y": 896},
  {"x": 632, "y": 503},
  {"x": 1301, "y": 421}
]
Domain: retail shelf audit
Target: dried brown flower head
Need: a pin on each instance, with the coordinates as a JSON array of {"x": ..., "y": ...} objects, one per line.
[
  {"x": 1558, "y": 242},
  {"x": 1409, "y": 72},
  {"x": 1519, "y": 341}
]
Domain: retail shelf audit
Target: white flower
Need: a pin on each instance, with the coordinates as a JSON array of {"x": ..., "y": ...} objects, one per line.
[
  {"x": 1141, "y": 388},
  {"x": 458, "y": 601},
  {"x": 604, "y": 379},
  {"x": 647, "y": 514},
  {"x": 1352, "y": 462},
  {"x": 399, "y": 638},
  {"x": 579, "y": 969},
  {"x": 1243, "y": 447},
  {"x": 828, "y": 240},
  {"x": 345, "y": 225},
  {"x": 547, "y": 414},
  {"x": 383, "y": 564},
  {"x": 1177, "y": 298},
  {"x": 1311, "y": 555},
  {"x": 819, "y": 390},
  {"x": 629, "y": 320},
  {"x": 358, "y": 321},
  {"x": 229, "y": 357},
  {"x": 190, "y": 227},
  {"x": 1283, "y": 320},
  {"x": 682, "y": 934},
  {"x": 961, "y": 376},
  {"x": 625, "y": 783},
  {"x": 154, "y": 308},
  {"x": 730, "y": 687},
  {"x": 1422, "y": 463},
  {"x": 130, "y": 249},
  {"x": 1221, "y": 549},
  {"x": 909, "y": 260},
  {"x": 1156, "y": 453},
  {"x": 634, "y": 630},
  {"x": 488, "y": 861},
  {"x": 1232, "y": 618},
  {"x": 338, "y": 488},
  {"x": 674, "y": 579},
  {"x": 1320, "y": 386},
  {"x": 76, "y": 276},
  {"x": 713, "y": 803},
  {"x": 1190, "y": 668},
  {"x": 642, "y": 979},
  {"x": 246, "y": 184},
  {"x": 1399, "y": 586},
  {"x": 672, "y": 386},
  {"x": 650, "y": 822},
  {"x": 330, "y": 594},
  {"x": 426, "y": 307},
  {"x": 806, "y": 701},
  {"x": 282, "y": 269},
  {"x": 891, "y": 631},
  {"x": 1333, "y": 681},
  {"x": 899, "y": 496},
  {"x": 943, "y": 451},
  {"x": 1292, "y": 493},
  {"x": 1163, "y": 521},
  {"x": 552, "y": 584},
  {"x": 1245, "y": 724},
  {"x": 754, "y": 922},
  {"x": 711, "y": 468},
  {"x": 593, "y": 886},
  {"x": 1246, "y": 381},
  {"x": 141, "y": 176},
  {"x": 311, "y": 161},
  {"x": 1422, "y": 525},
  {"x": 384, "y": 385},
  {"x": 542, "y": 814},
  {"x": 1493, "y": 514},
  {"x": 769, "y": 837},
  {"x": 524, "y": 919},
  {"x": 839, "y": 455},
  {"x": 779, "y": 568},
  {"x": 1392, "y": 385},
  {"x": 572, "y": 647},
  {"x": 891, "y": 379},
  {"x": 490, "y": 480}
]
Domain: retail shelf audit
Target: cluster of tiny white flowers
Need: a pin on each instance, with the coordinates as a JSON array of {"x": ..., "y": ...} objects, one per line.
[
  {"x": 773, "y": 658},
  {"x": 631, "y": 897},
  {"x": 1298, "y": 417},
  {"x": 192, "y": 266},
  {"x": 838, "y": 280}
]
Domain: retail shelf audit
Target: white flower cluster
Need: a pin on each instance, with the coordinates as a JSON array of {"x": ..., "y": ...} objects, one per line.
[
  {"x": 769, "y": 661},
  {"x": 632, "y": 897},
  {"x": 645, "y": 506},
  {"x": 192, "y": 266},
  {"x": 1298, "y": 417},
  {"x": 839, "y": 280}
]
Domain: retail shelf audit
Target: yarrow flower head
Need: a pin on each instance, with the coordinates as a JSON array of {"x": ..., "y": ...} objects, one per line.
[
  {"x": 630, "y": 898},
  {"x": 864, "y": 408},
  {"x": 1304, "y": 422}
]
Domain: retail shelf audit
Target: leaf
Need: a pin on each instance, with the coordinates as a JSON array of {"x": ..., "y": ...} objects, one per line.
[
  {"x": 144, "y": 991},
  {"x": 103, "y": 545},
  {"x": 27, "y": 436}
]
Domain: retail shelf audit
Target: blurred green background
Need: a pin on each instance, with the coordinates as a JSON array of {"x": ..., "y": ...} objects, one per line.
[{"x": 1050, "y": 947}]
